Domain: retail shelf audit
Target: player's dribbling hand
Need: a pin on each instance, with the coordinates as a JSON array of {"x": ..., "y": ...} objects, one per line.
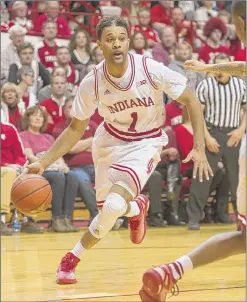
[
  {"x": 201, "y": 165},
  {"x": 194, "y": 65},
  {"x": 34, "y": 168}
]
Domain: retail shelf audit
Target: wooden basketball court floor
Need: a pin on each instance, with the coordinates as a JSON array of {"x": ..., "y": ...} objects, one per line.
[{"x": 112, "y": 270}]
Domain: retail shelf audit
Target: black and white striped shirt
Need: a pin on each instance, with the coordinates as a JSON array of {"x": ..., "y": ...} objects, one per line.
[{"x": 222, "y": 101}]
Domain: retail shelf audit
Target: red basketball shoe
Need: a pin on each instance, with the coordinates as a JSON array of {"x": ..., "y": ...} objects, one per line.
[
  {"x": 65, "y": 273},
  {"x": 157, "y": 282},
  {"x": 138, "y": 224}
]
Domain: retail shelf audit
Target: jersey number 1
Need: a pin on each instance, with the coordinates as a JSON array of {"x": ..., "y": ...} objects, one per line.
[{"x": 133, "y": 124}]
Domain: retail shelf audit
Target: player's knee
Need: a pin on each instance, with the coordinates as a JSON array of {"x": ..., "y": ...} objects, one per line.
[{"x": 115, "y": 205}]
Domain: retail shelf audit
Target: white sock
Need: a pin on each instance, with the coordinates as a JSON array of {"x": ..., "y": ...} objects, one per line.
[
  {"x": 180, "y": 266},
  {"x": 134, "y": 209},
  {"x": 78, "y": 250}
]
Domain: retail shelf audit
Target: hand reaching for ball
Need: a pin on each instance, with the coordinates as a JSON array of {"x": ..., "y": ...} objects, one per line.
[{"x": 34, "y": 168}]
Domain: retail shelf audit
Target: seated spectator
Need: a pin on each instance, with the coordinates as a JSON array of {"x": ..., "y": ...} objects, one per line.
[
  {"x": 4, "y": 15},
  {"x": 46, "y": 50},
  {"x": 79, "y": 47},
  {"x": 25, "y": 78},
  {"x": 214, "y": 31},
  {"x": 161, "y": 14},
  {"x": 26, "y": 55},
  {"x": 55, "y": 105},
  {"x": 63, "y": 59},
  {"x": 45, "y": 92},
  {"x": 168, "y": 169},
  {"x": 97, "y": 55},
  {"x": 20, "y": 10},
  {"x": 10, "y": 55},
  {"x": 184, "y": 29},
  {"x": 231, "y": 41},
  {"x": 52, "y": 13},
  {"x": 144, "y": 27},
  {"x": 204, "y": 13},
  {"x": 163, "y": 51},
  {"x": 63, "y": 182},
  {"x": 185, "y": 142},
  {"x": 11, "y": 97},
  {"x": 139, "y": 45},
  {"x": 173, "y": 114},
  {"x": 183, "y": 52},
  {"x": 12, "y": 161},
  {"x": 79, "y": 159}
]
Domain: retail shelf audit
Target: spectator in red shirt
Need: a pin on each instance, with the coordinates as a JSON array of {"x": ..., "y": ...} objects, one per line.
[
  {"x": 214, "y": 31},
  {"x": 46, "y": 50},
  {"x": 163, "y": 51},
  {"x": 241, "y": 55},
  {"x": 52, "y": 13},
  {"x": 161, "y": 14},
  {"x": 144, "y": 27},
  {"x": 79, "y": 159},
  {"x": 55, "y": 105},
  {"x": 63, "y": 59},
  {"x": 183, "y": 28},
  {"x": 12, "y": 162},
  {"x": 139, "y": 45},
  {"x": 20, "y": 10},
  {"x": 173, "y": 114},
  {"x": 11, "y": 97}
]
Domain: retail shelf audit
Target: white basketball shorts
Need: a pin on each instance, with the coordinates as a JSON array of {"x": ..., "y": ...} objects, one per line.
[
  {"x": 241, "y": 192},
  {"x": 128, "y": 164}
]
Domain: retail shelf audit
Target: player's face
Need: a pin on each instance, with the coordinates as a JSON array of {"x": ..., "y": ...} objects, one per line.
[
  {"x": 240, "y": 27},
  {"x": 114, "y": 44},
  {"x": 36, "y": 120}
]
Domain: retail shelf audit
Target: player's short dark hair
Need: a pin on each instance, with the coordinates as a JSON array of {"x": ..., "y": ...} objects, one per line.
[
  {"x": 110, "y": 21},
  {"x": 239, "y": 8},
  {"x": 222, "y": 56}
]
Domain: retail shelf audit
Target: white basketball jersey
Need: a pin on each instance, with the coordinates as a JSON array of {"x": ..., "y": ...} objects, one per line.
[{"x": 132, "y": 106}]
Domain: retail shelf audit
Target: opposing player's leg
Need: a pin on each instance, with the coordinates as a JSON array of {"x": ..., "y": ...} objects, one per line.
[{"x": 157, "y": 282}]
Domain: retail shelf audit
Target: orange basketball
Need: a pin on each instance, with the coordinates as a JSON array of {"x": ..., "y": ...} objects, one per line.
[{"x": 32, "y": 194}]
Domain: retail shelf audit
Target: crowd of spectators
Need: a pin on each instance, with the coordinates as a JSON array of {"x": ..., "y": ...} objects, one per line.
[{"x": 38, "y": 83}]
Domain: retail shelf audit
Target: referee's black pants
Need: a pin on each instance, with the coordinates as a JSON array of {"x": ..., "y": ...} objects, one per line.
[{"x": 199, "y": 191}]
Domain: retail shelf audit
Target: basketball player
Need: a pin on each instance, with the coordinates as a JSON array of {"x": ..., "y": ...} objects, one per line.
[
  {"x": 157, "y": 282},
  {"x": 127, "y": 89}
]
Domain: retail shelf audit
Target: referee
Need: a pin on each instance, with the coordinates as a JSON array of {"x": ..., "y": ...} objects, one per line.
[{"x": 224, "y": 105}]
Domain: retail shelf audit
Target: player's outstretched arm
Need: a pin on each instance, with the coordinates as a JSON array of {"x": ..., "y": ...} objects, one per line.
[
  {"x": 67, "y": 139},
  {"x": 198, "y": 153},
  {"x": 232, "y": 68}
]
